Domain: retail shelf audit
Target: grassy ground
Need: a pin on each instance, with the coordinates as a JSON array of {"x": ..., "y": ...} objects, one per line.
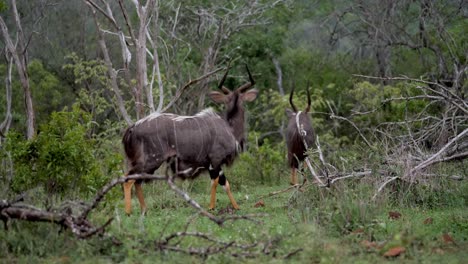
[{"x": 341, "y": 225}]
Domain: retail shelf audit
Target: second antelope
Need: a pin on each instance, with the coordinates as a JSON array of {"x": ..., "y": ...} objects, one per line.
[
  {"x": 300, "y": 134},
  {"x": 189, "y": 144}
]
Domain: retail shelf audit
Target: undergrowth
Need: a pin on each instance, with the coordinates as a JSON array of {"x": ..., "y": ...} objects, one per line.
[{"x": 341, "y": 224}]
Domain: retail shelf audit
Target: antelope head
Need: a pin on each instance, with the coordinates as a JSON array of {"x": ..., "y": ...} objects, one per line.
[{"x": 234, "y": 102}]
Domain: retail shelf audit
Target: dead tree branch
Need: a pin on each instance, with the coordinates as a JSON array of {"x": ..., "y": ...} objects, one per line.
[
  {"x": 80, "y": 227},
  {"x": 430, "y": 160}
]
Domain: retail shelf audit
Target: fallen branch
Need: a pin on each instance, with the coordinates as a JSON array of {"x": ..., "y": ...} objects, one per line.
[
  {"x": 80, "y": 227},
  {"x": 430, "y": 160},
  {"x": 459, "y": 156}
]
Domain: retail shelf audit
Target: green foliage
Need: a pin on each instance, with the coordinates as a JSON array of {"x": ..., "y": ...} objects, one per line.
[
  {"x": 87, "y": 72},
  {"x": 61, "y": 157},
  {"x": 261, "y": 164},
  {"x": 93, "y": 92},
  {"x": 384, "y": 103},
  {"x": 48, "y": 91},
  {"x": 3, "y": 6},
  {"x": 331, "y": 230}
]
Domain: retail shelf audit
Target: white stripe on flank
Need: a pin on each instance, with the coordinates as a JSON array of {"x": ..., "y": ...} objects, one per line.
[
  {"x": 151, "y": 117},
  {"x": 204, "y": 112}
]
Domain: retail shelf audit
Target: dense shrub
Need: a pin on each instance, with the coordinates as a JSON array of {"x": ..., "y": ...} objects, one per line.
[
  {"x": 264, "y": 164},
  {"x": 61, "y": 157}
]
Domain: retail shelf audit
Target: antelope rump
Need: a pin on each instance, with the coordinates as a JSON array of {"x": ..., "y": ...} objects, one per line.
[{"x": 299, "y": 135}]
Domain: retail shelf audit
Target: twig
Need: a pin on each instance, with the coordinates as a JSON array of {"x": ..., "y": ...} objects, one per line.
[
  {"x": 249, "y": 217},
  {"x": 354, "y": 174},
  {"x": 290, "y": 254},
  {"x": 332, "y": 116},
  {"x": 383, "y": 185},
  {"x": 188, "y": 84},
  {"x": 96, "y": 230},
  {"x": 295, "y": 186}
]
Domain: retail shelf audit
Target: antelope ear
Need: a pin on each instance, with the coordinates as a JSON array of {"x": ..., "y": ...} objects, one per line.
[
  {"x": 289, "y": 113},
  {"x": 217, "y": 97},
  {"x": 250, "y": 95}
]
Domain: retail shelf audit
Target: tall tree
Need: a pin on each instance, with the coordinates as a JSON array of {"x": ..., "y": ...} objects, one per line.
[
  {"x": 19, "y": 55},
  {"x": 159, "y": 40}
]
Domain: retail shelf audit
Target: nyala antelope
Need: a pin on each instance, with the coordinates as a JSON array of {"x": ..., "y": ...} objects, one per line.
[
  {"x": 299, "y": 130},
  {"x": 189, "y": 144}
]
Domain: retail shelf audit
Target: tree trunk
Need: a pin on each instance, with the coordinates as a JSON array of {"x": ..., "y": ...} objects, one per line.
[
  {"x": 20, "y": 59},
  {"x": 5, "y": 126}
]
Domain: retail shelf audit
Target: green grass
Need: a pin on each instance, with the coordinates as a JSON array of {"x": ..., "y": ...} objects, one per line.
[{"x": 326, "y": 226}]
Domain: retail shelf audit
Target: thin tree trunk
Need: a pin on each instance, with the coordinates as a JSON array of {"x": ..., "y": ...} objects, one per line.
[
  {"x": 5, "y": 126},
  {"x": 141, "y": 67},
  {"x": 279, "y": 73},
  {"x": 156, "y": 68},
  {"x": 279, "y": 82},
  {"x": 19, "y": 57},
  {"x": 111, "y": 72}
]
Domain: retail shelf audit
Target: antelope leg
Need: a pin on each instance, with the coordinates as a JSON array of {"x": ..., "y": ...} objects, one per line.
[
  {"x": 304, "y": 170},
  {"x": 141, "y": 199},
  {"x": 227, "y": 188},
  {"x": 224, "y": 182},
  {"x": 293, "y": 176},
  {"x": 128, "y": 195},
  {"x": 214, "y": 184}
]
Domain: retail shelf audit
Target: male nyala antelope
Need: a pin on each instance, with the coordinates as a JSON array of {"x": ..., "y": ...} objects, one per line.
[
  {"x": 189, "y": 144},
  {"x": 299, "y": 130}
]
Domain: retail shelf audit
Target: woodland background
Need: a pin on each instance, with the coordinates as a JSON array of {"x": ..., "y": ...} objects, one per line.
[{"x": 388, "y": 85}]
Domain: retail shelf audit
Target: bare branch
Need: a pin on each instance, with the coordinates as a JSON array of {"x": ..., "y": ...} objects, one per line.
[
  {"x": 352, "y": 175},
  {"x": 428, "y": 162},
  {"x": 111, "y": 72},
  {"x": 332, "y": 116},
  {"x": 187, "y": 85},
  {"x": 383, "y": 186}
]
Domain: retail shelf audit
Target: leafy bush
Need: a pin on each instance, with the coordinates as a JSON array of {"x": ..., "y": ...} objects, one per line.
[
  {"x": 384, "y": 103},
  {"x": 61, "y": 157},
  {"x": 264, "y": 164}
]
